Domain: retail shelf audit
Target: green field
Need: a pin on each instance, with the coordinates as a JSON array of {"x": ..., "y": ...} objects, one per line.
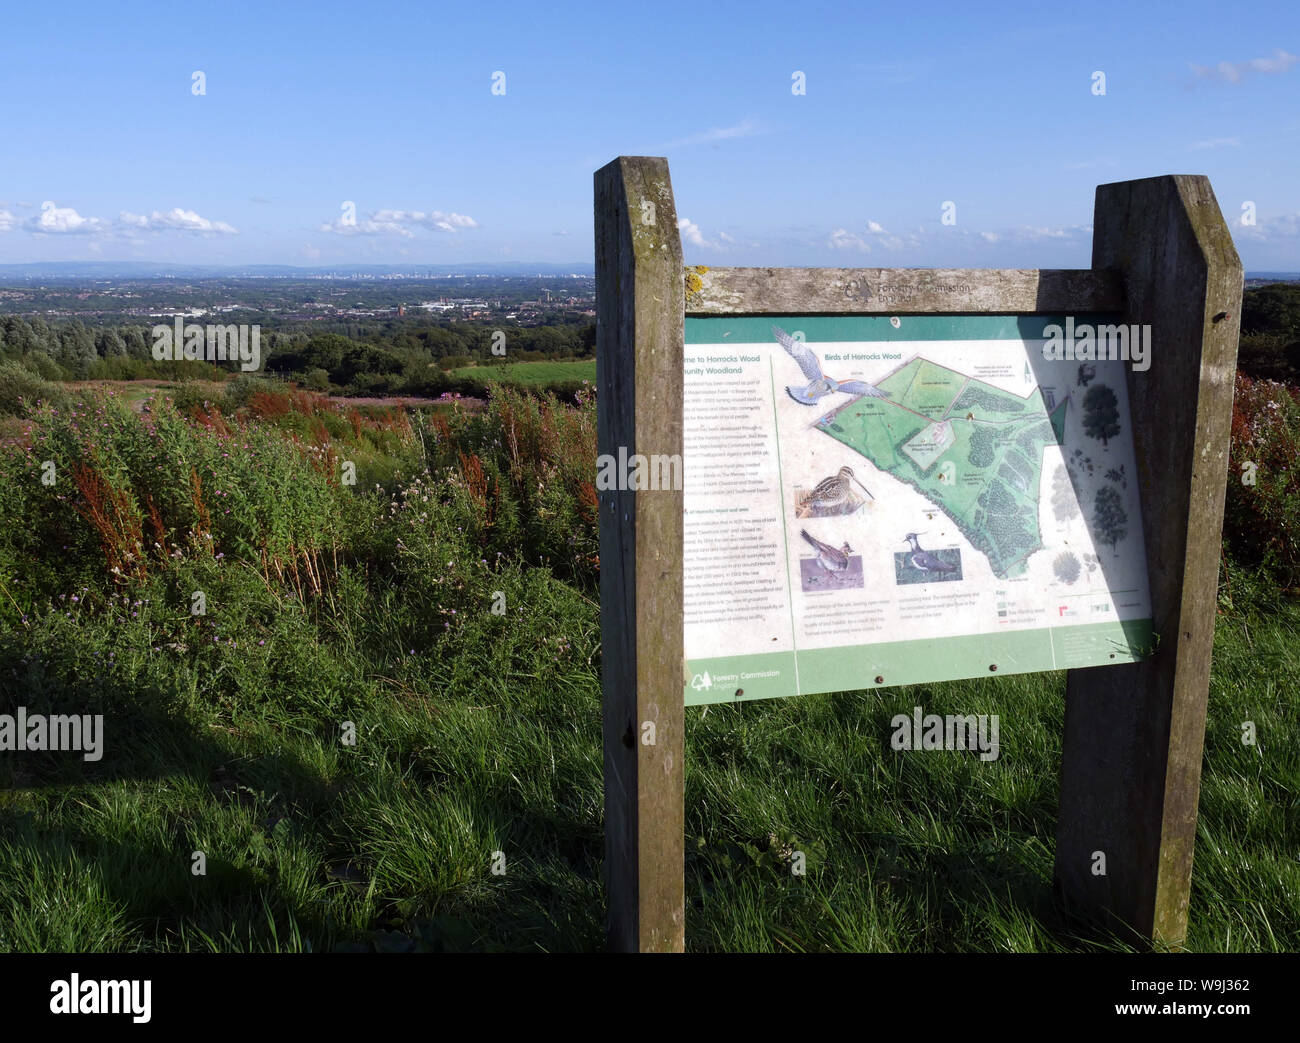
[
  {"x": 534, "y": 374},
  {"x": 368, "y": 609}
]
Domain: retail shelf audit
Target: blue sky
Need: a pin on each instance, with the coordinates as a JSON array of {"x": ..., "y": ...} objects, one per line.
[{"x": 109, "y": 155}]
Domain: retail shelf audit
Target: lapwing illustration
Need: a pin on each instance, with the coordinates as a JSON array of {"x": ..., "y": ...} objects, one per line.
[
  {"x": 831, "y": 492},
  {"x": 819, "y": 383},
  {"x": 923, "y": 559},
  {"x": 831, "y": 560}
]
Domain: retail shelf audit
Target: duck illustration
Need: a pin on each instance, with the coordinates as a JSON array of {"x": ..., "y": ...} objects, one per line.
[{"x": 819, "y": 383}]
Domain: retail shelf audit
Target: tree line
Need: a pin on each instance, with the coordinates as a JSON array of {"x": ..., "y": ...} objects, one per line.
[{"x": 389, "y": 356}]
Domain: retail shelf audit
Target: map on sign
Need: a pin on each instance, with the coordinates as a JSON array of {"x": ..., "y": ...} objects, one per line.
[
  {"x": 873, "y": 501},
  {"x": 937, "y": 420}
]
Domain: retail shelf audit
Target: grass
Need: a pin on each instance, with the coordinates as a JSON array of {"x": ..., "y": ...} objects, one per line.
[
  {"x": 310, "y": 843},
  {"x": 443, "y": 613},
  {"x": 533, "y": 374}
]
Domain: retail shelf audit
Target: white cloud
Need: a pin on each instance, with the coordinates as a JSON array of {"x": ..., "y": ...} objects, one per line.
[
  {"x": 1216, "y": 143},
  {"x": 882, "y": 237},
  {"x": 175, "y": 220},
  {"x": 56, "y": 220},
  {"x": 1029, "y": 232},
  {"x": 692, "y": 234},
  {"x": 6, "y": 220},
  {"x": 843, "y": 239},
  {"x": 1282, "y": 227},
  {"x": 1235, "y": 72},
  {"x": 875, "y": 234},
  {"x": 400, "y": 223},
  {"x": 725, "y": 238},
  {"x": 876, "y": 237},
  {"x": 746, "y": 128},
  {"x": 434, "y": 219}
]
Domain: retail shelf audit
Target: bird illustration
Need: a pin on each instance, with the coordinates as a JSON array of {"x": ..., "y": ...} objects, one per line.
[
  {"x": 923, "y": 559},
  {"x": 830, "y": 492},
  {"x": 831, "y": 560},
  {"x": 819, "y": 383}
]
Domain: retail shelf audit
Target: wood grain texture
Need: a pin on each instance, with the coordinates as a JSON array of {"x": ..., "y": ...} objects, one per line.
[
  {"x": 888, "y": 291},
  {"x": 639, "y": 348},
  {"x": 1130, "y": 777}
]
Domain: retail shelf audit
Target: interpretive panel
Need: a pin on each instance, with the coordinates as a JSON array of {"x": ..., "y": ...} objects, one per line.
[{"x": 875, "y": 501}]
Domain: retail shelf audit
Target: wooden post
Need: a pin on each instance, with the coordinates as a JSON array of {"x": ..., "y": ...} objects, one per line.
[
  {"x": 639, "y": 347},
  {"x": 1130, "y": 776}
]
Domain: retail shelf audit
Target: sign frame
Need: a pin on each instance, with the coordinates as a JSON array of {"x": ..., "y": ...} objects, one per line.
[{"x": 1162, "y": 256}]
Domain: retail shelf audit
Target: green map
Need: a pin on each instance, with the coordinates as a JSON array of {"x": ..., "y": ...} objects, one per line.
[{"x": 972, "y": 449}]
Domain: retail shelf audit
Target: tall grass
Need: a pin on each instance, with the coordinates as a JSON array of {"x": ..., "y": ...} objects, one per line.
[{"x": 442, "y": 612}]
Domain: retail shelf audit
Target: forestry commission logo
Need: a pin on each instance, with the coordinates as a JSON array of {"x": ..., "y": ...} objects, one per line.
[
  {"x": 192, "y": 342},
  {"x": 1106, "y": 343}
]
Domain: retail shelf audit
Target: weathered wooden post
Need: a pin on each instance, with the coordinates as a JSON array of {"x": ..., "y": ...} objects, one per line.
[
  {"x": 639, "y": 379},
  {"x": 1131, "y": 770},
  {"x": 959, "y": 419}
]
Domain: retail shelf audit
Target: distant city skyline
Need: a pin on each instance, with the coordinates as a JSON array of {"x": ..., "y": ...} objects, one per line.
[{"x": 323, "y": 135}]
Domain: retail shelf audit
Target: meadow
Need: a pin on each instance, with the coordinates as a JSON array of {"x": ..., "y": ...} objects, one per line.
[
  {"x": 383, "y": 732},
  {"x": 554, "y": 376}
]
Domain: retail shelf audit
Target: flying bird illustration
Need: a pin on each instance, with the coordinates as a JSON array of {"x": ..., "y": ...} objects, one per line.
[
  {"x": 923, "y": 559},
  {"x": 819, "y": 383},
  {"x": 829, "y": 558}
]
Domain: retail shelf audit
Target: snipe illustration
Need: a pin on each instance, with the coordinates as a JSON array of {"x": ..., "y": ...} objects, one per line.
[{"x": 831, "y": 492}]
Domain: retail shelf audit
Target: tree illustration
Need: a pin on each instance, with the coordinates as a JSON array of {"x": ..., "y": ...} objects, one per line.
[
  {"x": 1066, "y": 567},
  {"x": 1108, "y": 518},
  {"x": 1064, "y": 504},
  {"x": 1101, "y": 413}
]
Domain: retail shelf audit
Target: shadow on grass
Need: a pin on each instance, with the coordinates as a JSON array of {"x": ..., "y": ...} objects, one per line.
[{"x": 100, "y": 855}]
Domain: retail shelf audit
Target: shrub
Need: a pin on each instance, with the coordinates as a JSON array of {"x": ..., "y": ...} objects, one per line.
[
  {"x": 1261, "y": 523},
  {"x": 21, "y": 389},
  {"x": 190, "y": 397},
  {"x": 244, "y": 387}
]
